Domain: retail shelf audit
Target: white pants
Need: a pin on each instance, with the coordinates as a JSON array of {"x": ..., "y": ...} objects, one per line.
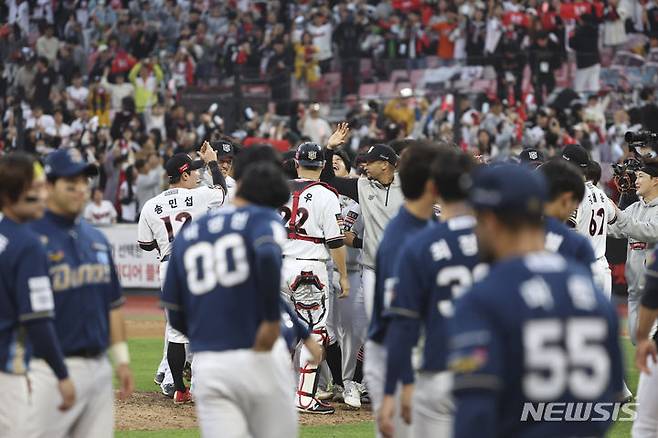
[
  {"x": 587, "y": 79},
  {"x": 646, "y": 422},
  {"x": 92, "y": 414},
  {"x": 241, "y": 393},
  {"x": 374, "y": 368},
  {"x": 433, "y": 406},
  {"x": 353, "y": 325},
  {"x": 14, "y": 410},
  {"x": 368, "y": 281},
  {"x": 602, "y": 276}
]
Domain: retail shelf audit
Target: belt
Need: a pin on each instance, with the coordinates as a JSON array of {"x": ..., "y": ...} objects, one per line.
[
  {"x": 165, "y": 258},
  {"x": 87, "y": 353},
  {"x": 306, "y": 260}
]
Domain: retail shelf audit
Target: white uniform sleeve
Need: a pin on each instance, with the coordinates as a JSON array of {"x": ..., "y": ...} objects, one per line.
[
  {"x": 144, "y": 232},
  {"x": 332, "y": 219},
  {"x": 87, "y": 214},
  {"x": 212, "y": 197},
  {"x": 609, "y": 209}
]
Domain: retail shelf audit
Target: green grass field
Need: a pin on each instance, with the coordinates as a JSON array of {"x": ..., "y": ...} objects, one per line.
[{"x": 147, "y": 352}]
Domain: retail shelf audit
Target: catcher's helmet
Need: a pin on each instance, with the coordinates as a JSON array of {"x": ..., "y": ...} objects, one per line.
[{"x": 310, "y": 154}]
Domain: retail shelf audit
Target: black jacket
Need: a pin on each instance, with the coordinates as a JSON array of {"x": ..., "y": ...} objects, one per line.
[{"x": 585, "y": 43}]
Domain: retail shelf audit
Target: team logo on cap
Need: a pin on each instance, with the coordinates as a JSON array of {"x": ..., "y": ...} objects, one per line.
[
  {"x": 312, "y": 155},
  {"x": 74, "y": 155},
  {"x": 226, "y": 147},
  {"x": 533, "y": 155},
  {"x": 183, "y": 168}
]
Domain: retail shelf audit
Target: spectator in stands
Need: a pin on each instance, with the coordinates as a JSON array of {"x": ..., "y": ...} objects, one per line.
[
  {"x": 127, "y": 196},
  {"x": 48, "y": 44},
  {"x": 346, "y": 36},
  {"x": 509, "y": 63},
  {"x": 118, "y": 90},
  {"x": 278, "y": 69},
  {"x": 322, "y": 32},
  {"x": 614, "y": 25},
  {"x": 307, "y": 69},
  {"x": 447, "y": 30},
  {"x": 99, "y": 211},
  {"x": 44, "y": 80},
  {"x": 149, "y": 179},
  {"x": 648, "y": 110},
  {"x": 315, "y": 127},
  {"x": 76, "y": 93},
  {"x": 146, "y": 76},
  {"x": 544, "y": 61},
  {"x": 585, "y": 43},
  {"x": 475, "y": 36}
]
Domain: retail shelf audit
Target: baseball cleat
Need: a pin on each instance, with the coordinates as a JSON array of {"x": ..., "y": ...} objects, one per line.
[
  {"x": 338, "y": 394},
  {"x": 168, "y": 390},
  {"x": 318, "y": 408},
  {"x": 181, "y": 397},
  {"x": 365, "y": 397},
  {"x": 159, "y": 377},
  {"x": 187, "y": 372},
  {"x": 322, "y": 394},
  {"x": 352, "y": 395}
]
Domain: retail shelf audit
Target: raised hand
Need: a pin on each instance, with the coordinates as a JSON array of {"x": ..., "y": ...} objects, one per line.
[{"x": 339, "y": 136}]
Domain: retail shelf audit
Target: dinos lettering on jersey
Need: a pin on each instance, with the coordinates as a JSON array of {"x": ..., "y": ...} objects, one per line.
[{"x": 64, "y": 277}]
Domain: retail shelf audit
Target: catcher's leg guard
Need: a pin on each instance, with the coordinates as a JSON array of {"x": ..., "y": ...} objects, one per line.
[{"x": 308, "y": 373}]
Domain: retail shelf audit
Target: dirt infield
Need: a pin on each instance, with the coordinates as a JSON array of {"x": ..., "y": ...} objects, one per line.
[{"x": 151, "y": 411}]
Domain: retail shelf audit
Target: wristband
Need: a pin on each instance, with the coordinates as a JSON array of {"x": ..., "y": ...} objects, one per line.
[{"x": 119, "y": 353}]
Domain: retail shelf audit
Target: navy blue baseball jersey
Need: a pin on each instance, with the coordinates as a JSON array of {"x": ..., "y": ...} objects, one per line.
[
  {"x": 216, "y": 286},
  {"x": 569, "y": 243},
  {"x": 84, "y": 281},
  {"x": 399, "y": 229},
  {"x": 536, "y": 330},
  {"x": 435, "y": 267},
  {"x": 25, "y": 293}
]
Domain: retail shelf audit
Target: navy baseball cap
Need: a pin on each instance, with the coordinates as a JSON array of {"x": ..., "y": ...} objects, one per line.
[
  {"x": 576, "y": 154},
  {"x": 224, "y": 148},
  {"x": 532, "y": 157},
  {"x": 64, "y": 163},
  {"x": 381, "y": 152},
  {"x": 508, "y": 187},
  {"x": 181, "y": 163}
]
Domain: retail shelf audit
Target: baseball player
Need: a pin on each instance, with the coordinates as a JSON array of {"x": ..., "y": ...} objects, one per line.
[
  {"x": 161, "y": 219},
  {"x": 434, "y": 267},
  {"x": 26, "y": 298},
  {"x": 352, "y": 321},
  {"x": 547, "y": 334},
  {"x": 225, "y": 156},
  {"x": 379, "y": 196},
  {"x": 565, "y": 193},
  {"x": 592, "y": 217},
  {"x": 88, "y": 317},
  {"x": 222, "y": 290},
  {"x": 312, "y": 218},
  {"x": 414, "y": 216},
  {"x": 646, "y": 423}
]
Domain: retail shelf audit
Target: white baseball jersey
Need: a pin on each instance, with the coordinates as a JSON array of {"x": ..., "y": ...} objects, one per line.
[
  {"x": 592, "y": 217},
  {"x": 317, "y": 222},
  {"x": 162, "y": 217}
]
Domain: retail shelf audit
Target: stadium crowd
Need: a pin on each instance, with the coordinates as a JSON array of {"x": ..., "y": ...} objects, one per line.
[{"x": 107, "y": 77}]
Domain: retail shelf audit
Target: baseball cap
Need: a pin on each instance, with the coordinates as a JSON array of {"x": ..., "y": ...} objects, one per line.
[
  {"x": 381, "y": 152},
  {"x": 224, "y": 148},
  {"x": 508, "y": 187},
  {"x": 531, "y": 156},
  {"x": 65, "y": 163},
  {"x": 181, "y": 163},
  {"x": 576, "y": 154}
]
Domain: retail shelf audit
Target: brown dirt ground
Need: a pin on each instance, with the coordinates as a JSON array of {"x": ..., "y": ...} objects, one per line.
[
  {"x": 147, "y": 328},
  {"x": 153, "y": 411}
]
